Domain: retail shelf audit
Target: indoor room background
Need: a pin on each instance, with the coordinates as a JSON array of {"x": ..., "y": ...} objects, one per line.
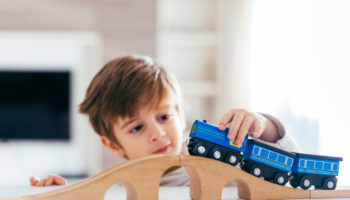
[{"x": 288, "y": 58}]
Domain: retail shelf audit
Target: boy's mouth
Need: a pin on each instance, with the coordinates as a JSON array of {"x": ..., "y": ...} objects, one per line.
[{"x": 163, "y": 149}]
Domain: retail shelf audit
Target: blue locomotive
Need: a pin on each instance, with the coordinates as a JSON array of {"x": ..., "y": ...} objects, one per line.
[
  {"x": 208, "y": 141},
  {"x": 263, "y": 160}
]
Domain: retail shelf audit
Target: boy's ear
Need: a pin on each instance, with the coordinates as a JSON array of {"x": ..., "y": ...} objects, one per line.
[{"x": 116, "y": 149}]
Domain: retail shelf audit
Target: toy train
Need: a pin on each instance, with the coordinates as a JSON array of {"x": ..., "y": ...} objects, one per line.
[{"x": 262, "y": 160}]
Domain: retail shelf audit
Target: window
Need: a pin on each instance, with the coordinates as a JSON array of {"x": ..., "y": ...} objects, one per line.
[
  {"x": 327, "y": 166},
  {"x": 272, "y": 156},
  {"x": 319, "y": 165},
  {"x": 281, "y": 159},
  {"x": 310, "y": 164},
  {"x": 335, "y": 167},
  {"x": 264, "y": 153},
  {"x": 256, "y": 150},
  {"x": 302, "y": 163},
  {"x": 299, "y": 63}
]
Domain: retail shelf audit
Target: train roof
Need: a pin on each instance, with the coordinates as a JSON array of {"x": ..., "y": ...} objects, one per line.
[
  {"x": 287, "y": 153},
  {"x": 321, "y": 157}
]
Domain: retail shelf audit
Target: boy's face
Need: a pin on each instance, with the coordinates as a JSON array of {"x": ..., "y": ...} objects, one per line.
[{"x": 152, "y": 131}]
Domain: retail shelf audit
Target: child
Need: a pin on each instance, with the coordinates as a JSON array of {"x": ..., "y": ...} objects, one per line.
[{"x": 136, "y": 108}]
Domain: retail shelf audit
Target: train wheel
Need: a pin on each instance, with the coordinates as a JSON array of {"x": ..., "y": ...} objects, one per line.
[
  {"x": 330, "y": 183},
  {"x": 281, "y": 178},
  {"x": 256, "y": 170},
  {"x": 232, "y": 159},
  {"x": 294, "y": 184},
  {"x": 200, "y": 150},
  {"x": 216, "y": 153},
  {"x": 305, "y": 182}
]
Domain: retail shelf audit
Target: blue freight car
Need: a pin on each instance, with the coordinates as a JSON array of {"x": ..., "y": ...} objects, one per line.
[
  {"x": 208, "y": 141},
  {"x": 317, "y": 170},
  {"x": 263, "y": 160}
]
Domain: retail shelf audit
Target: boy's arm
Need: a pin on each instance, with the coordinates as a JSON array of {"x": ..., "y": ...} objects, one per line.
[
  {"x": 274, "y": 129},
  {"x": 285, "y": 142},
  {"x": 50, "y": 180}
]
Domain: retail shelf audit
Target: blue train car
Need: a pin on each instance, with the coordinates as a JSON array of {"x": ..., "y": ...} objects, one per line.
[
  {"x": 208, "y": 141},
  {"x": 317, "y": 170},
  {"x": 263, "y": 160}
]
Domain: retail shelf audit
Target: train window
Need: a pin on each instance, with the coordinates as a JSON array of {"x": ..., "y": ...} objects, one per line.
[
  {"x": 272, "y": 156},
  {"x": 264, "y": 153},
  {"x": 256, "y": 150},
  {"x": 319, "y": 165},
  {"x": 335, "y": 167},
  {"x": 327, "y": 166},
  {"x": 289, "y": 162},
  {"x": 310, "y": 164},
  {"x": 302, "y": 163},
  {"x": 281, "y": 159}
]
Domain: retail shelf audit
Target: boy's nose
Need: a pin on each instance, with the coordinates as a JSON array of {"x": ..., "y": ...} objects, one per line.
[{"x": 156, "y": 133}]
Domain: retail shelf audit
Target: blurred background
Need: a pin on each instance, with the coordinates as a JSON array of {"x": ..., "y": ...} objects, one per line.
[{"x": 288, "y": 58}]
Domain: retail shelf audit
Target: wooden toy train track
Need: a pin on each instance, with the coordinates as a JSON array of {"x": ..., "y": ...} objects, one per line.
[{"x": 141, "y": 179}]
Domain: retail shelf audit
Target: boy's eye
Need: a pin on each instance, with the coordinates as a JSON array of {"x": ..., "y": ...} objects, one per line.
[
  {"x": 136, "y": 129},
  {"x": 165, "y": 117}
]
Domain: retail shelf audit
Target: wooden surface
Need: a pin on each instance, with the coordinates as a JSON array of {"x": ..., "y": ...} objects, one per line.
[
  {"x": 208, "y": 177},
  {"x": 117, "y": 192}
]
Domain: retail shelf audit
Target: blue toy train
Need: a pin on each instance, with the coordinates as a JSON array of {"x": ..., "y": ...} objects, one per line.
[{"x": 262, "y": 160}]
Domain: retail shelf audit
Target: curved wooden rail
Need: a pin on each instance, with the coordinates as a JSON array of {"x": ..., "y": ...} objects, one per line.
[
  {"x": 140, "y": 177},
  {"x": 207, "y": 179}
]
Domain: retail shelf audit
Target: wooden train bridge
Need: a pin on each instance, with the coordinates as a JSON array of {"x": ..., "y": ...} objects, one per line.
[{"x": 141, "y": 179}]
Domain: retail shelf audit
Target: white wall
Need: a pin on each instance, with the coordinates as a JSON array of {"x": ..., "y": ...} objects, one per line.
[{"x": 78, "y": 52}]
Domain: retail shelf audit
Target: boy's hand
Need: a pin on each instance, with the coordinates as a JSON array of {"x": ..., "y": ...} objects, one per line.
[
  {"x": 50, "y": 180},
  {"x": 241, "y": 122}
]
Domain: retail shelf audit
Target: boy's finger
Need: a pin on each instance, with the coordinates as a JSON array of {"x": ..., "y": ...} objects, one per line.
[
  {"x": 226, "y": 118},
  {"x": 33, "y": 181},
  {"x": 60, "y": 180},
  {"x": 235, "y": 125},
  {"x": 40, "y": 183},
  {"x": 49, "y": 181},
  {"x": 257, "y": 128},
  {"x": 244, "y": 128}
]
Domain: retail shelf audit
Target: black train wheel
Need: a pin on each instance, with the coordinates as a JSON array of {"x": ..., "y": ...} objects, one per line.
[
  {"x": 200, "y": 149},
  {"x": 232, "y": 158},
  {"x": 281, "y": 178},
  {"x": 305, "y": 182},
  {"x": 217, "y": 153},
  {"x": 330, "y": 183},
  {"x": 256, "y": 170}
]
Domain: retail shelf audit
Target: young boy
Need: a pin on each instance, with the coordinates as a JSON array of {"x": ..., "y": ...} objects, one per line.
[{"x": 136, "y": 108}]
